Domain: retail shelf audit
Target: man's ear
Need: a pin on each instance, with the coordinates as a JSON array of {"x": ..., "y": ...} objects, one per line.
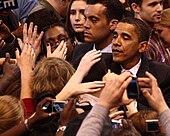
[
  {"x": 63, "y": 2},
  {"x": 143, "y": 46},
  {"x": 136, "y": 8},
  {"x": 113, "y": 23}
]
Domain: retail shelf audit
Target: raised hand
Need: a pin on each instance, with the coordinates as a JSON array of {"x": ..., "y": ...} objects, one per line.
[
  {"x": 25, "y": 60},
  {"x": 71, "y": 89},
  {"x": 31, "y": 37},
  {"x": 152, "y": 92},
  {"x": 59, "y": 52},
  {"x": 114, "y": 91},
  {"x": 88, "y": 60}
]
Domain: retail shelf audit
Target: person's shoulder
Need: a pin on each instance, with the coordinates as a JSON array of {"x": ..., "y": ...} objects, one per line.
[
  {"x": 83, "y": 47},
  {"x": 155, "y": 64},
  {"x": 41, "y": 5}
]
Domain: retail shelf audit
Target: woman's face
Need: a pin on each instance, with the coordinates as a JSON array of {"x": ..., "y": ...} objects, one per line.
[
  {"x": 77, "y": 17},
  {"x": 164, "y": 33}
]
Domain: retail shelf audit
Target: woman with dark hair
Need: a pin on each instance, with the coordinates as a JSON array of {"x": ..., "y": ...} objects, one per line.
[{"x": 75, "y": 20}]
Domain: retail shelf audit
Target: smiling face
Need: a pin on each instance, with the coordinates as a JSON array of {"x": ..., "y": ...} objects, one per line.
[
  {"x": 77, "y": 17},
  {"x": 151, "y": 10},
  {"x": 96, "y": 24},
  {"x": 126, "y": 45}
]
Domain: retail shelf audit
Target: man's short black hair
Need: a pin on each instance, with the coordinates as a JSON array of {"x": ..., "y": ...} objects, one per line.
[
  {"x": 114, "y": 8},
  {"x": 142, "y": 29}
]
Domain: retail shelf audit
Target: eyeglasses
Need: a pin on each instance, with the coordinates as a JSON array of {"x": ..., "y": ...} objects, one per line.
[{"x": 57, "y": 40}]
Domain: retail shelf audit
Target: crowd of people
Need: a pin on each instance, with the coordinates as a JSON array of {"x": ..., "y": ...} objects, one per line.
[{"x": 85, "y": 68}]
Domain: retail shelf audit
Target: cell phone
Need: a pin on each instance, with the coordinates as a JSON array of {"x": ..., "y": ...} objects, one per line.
[
  {"x": 116, "y": 123},
  {"x": 133, "y": 89},
  {"x": 152, "y": 126},
  {"x": 53, "y": 106},
  {"x": 58, "y": 106}
]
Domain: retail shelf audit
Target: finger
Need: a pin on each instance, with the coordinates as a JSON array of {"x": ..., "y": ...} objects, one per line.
[
  {"x": 34, "y": 35},
  {"x": 65, "y": 51},
  {"x": 93, "y": 90},
  {"x": 64, "y": 48},
  {"x": 95, "y": 61},
  {"x": 108, "y": 71},
  {"x": 114, "y": 114},
  {"x": 7, "y": 59},
  {"x": 48, "y": 46},
  {"x": 61, "y": 45},
  {"x": 96, "y": 55},
  {"x": 144, "y": 84},
  {"x": 70, "y": 104},
  {"x": 30, "y": 31},
  {"x": 146, "y": 94},
  {"x": 124, "y": 85},
  {"x": 25, "y": 33},
  {"x": 153, "y": 82},
  {"x": 17, "y": 54},
  {"x": 21, "y": 45},
  {"x": 40, "y": 37}
]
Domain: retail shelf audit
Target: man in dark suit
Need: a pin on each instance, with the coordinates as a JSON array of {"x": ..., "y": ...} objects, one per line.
[
  {"x": 130, "y": 41},
  {"x": 100, "y": 21}
]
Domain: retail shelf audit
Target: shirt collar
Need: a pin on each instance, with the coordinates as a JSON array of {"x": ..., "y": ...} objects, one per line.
[
  {"x": 107, "y": 49},
  {"x": 133, "y": 70}
]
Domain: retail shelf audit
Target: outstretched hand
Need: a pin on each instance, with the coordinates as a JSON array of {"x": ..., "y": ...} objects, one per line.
[
  {"x": 114, "y": 92},
  {"x": 59, "y": 52},
  {"x": 152, "y": 92},
  {"x": 88, "y": 60}
]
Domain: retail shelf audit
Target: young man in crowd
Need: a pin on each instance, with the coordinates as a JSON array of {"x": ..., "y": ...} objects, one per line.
[
  {"x": 150, "y": 12},
  {"x": 101, "y": 20}
]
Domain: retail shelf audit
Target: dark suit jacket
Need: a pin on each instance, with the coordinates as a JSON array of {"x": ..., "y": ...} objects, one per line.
[
  {"x": 82, "y": 49},
  {"x": 161, "y": 73}
]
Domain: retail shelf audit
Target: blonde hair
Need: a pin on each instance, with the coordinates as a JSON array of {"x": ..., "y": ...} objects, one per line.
[
  {"x": 165, "y": 19},
  {"x": 11, "y": 112},
  {"x": 51, "y": 74}
]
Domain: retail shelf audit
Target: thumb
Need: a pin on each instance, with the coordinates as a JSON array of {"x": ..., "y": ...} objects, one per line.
[{"x": 7, "y": 59}]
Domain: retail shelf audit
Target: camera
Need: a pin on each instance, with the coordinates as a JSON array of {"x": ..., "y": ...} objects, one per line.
[
  {"x": 54, "y": 106},
  {"x": 152, "y": 126},
  {"x": 133, "y": 89}
]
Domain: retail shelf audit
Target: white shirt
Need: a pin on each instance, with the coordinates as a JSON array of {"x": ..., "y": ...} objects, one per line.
[
  {"x": 133, "y": 70},
  {"x": 107, "y": 49}
]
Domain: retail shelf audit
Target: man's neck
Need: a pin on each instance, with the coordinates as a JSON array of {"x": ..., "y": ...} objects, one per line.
[
  {"x": 149, "y": 23},
  {"x": 103, "y": 43}
]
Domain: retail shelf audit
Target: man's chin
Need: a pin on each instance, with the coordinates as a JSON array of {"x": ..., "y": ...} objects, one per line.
[{"x": 87, "y": 40}]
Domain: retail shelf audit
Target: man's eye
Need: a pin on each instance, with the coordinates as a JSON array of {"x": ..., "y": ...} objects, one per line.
[
  {"x": 114, "y": 36},
  {"x": 94, "y": 20},
  {"x": 126, "y": 37}
]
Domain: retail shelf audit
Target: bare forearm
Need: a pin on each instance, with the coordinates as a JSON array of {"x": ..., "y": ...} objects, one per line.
[{"x": 26, "y": 91}]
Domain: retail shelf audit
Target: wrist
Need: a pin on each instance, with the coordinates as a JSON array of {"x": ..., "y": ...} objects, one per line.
[
  {"x": 28, "y": 125},
  {"x": 105, "y": 104},
  {"x": 61, "y": 129},
  {"x": 162, "y": 108}
]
